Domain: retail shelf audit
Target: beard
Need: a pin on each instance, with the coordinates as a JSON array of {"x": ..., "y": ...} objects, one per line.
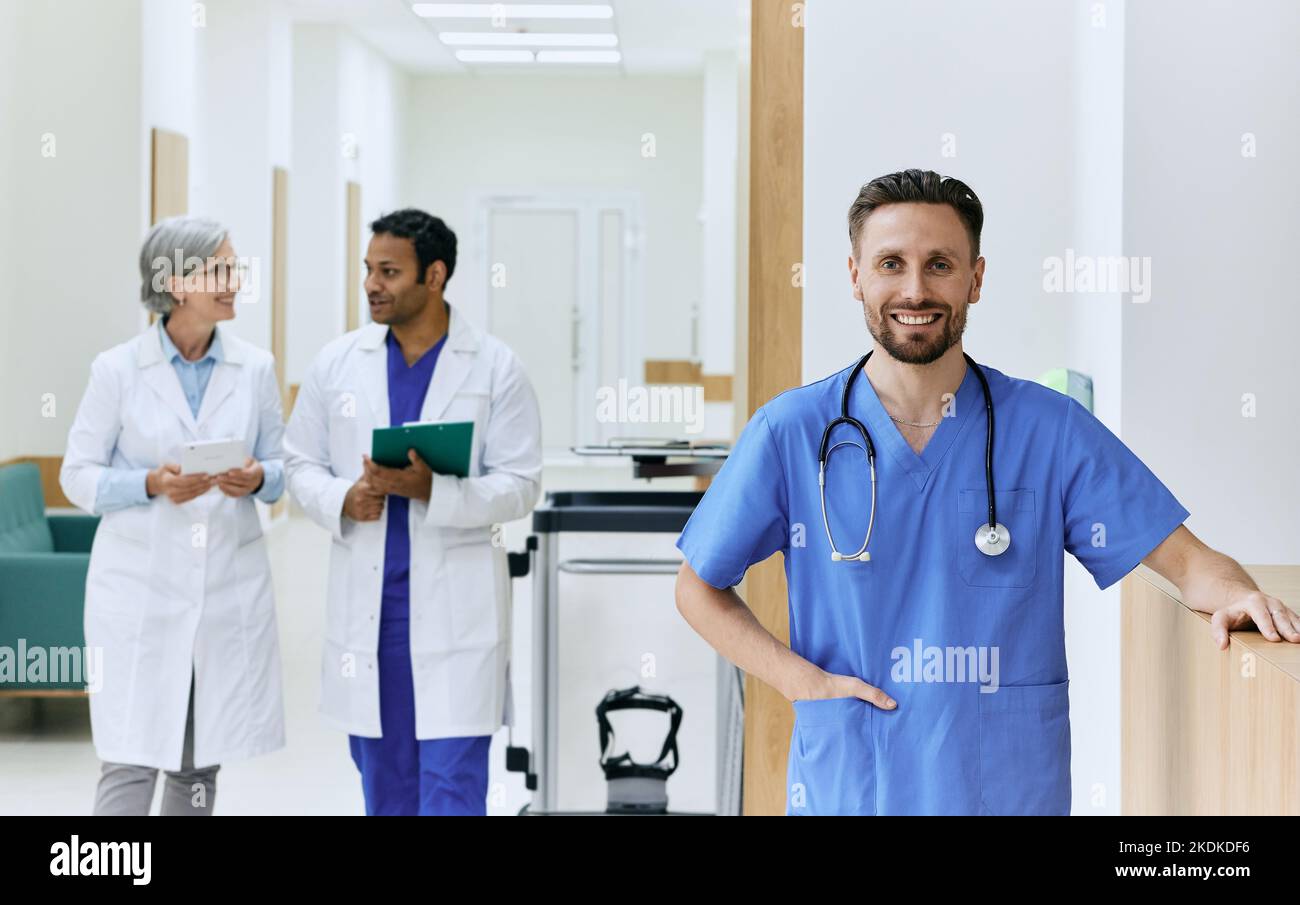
[{"x": 912, "y": 346}]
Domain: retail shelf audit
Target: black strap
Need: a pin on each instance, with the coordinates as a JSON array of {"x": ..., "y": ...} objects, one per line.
[
  {"x": 988, "y": 443},
  {"x": 635, "y": 699},
  {"x": 848, "y": 384},
  {"x": 844, "y": 418}
]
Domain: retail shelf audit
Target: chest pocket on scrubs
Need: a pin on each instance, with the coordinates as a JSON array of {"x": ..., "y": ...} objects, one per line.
[
  {"x": 832, "y": 766},
  {"x": 1025, "y": 749},
  {"x": 1017, "y": 566}
]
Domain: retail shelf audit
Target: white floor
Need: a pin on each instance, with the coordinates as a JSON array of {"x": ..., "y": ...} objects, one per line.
[{"x": 610, "y": 630}]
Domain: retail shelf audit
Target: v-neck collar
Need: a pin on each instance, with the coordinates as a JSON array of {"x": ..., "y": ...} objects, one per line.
[
  {"x": 866, "y": 405},
  {"x": 397, "y": 355}
]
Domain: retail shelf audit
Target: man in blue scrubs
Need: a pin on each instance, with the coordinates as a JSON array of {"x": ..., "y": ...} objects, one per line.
[{"x": 931, "y": 678}]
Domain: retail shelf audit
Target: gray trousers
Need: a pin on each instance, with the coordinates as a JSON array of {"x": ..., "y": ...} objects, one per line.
[{"x": 126, "y": 790}]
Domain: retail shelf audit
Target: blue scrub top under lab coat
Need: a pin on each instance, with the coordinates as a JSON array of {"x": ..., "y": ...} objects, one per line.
[
  {"x": 972, "y": 647},
  {"x": 407, "y": 387}
]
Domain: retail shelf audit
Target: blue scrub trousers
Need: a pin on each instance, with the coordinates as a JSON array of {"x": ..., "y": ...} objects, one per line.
[{"x": 400, "y": 774}]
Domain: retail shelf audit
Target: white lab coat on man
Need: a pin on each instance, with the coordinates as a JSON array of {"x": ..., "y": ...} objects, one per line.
[
  {"x": 173, "y": 588},
  {"x": 459, "y": 579}
]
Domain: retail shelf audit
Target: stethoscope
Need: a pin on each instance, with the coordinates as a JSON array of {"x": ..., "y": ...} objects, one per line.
[{"x": 991, "y": 539}]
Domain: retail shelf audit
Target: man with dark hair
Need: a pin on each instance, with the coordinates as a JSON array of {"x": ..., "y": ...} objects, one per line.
[
  {"x": 927, "y": 665},
  {"x": 432, "y": 238},
  {"x": 417, "y": 644}
]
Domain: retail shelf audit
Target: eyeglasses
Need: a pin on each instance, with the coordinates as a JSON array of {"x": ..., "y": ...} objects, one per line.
[{"x": 222, "y": 273}]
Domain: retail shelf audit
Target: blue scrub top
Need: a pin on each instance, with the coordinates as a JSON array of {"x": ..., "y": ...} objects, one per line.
[
  {"x": 972, "y": 647},
  {"x": 407, "y": 387}
]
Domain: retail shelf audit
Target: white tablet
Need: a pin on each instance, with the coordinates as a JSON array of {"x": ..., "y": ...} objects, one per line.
[{"x": 212, "y": 456}]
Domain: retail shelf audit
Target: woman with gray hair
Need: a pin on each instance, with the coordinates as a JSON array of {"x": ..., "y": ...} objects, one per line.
[{"x": 178, "y": 594}]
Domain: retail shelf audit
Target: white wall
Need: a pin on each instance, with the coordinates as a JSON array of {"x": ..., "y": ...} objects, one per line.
[
  {"x": 509, "y": 133},
  {"x": 1221, "y": 230},
  {"x": 241, "y": 131},
  {"x": 72, "y": 71},
  {"x": 721, "y": 119},
  {"x": 168, "y": 38},
  {"x": 316, "y": 200},
  {"x": 881, "y": 90},
  {"x": 250, "y": 91},
  {"x": 717, "y": 318},
  {"x": 1094, "y": 347},
  {"x": 345, "y": 97},
  {"x": 10, "y": 403}
]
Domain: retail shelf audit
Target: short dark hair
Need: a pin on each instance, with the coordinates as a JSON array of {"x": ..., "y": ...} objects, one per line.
[
  {"x": 433, "y": 239},
  {"x": 918, "y": 186}
]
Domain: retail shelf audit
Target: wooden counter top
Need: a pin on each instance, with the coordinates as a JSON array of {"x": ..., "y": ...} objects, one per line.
[
  {"x": 1283, "y": 582},
  {"x": 1206, "y": 731}
]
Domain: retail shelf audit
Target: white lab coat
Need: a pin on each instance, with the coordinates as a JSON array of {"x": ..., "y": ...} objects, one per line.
[
  {"x": 459, "y": 580},
  {"x": 172, "y": 587}
]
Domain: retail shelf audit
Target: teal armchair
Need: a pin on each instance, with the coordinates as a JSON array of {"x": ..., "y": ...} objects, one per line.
[{"x": 43, "y": 562}]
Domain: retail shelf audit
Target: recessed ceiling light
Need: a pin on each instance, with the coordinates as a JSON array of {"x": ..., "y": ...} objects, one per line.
[
  {"x": 513, "y": 10},
  {"x": 494, "y": 56},
  {"x": 578, "y": 56},
  {"x": 536, "y": 39}
]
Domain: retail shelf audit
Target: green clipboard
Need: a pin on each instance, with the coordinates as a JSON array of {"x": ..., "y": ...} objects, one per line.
[{"x": 443, "y": 445}]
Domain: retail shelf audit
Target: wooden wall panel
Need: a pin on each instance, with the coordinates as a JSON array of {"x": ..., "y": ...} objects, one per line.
[
  {"x": 279, "y": 273},
  {"x": 49, "y": 467},
  {"x": 775, "y": 336},
  {"x": 352, "y": 242},
  {"x": 169, "y": 178},
  {"x": 279, "y": 289},
  {"x": 717, "y": 387},
  {"x": 672, "y": 371},
  {"x": 679, "y": 372},
  {"x": 170, "y": 175}
]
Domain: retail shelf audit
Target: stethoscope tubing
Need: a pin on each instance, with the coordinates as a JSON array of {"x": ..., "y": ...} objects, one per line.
[{"x": 844, "y": 418}]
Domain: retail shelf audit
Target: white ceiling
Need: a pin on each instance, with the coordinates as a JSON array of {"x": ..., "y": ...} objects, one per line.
[{"x": 654, "y": 36}]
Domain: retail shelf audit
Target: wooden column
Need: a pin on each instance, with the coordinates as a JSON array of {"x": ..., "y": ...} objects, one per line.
[
  {"x": 775, "y": 316},
  {"x": 279, "y": 300}
]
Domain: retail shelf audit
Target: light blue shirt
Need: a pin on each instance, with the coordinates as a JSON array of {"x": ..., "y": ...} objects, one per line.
[
  {"x": 119, "y": 488},
  {"x": 194, "y": 375}
]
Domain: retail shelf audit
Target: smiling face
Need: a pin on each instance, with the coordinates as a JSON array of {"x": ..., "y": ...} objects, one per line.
[
  {"x": 208, "y": 293},
  {"x": 915, "y": 278}
]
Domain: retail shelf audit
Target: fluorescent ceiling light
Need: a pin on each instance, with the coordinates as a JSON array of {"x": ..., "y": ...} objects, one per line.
[
  {"x": 513, "y": 10},
  {"x": 578, "y": 56},
  {"x": 494, "y": 56},
  {"x": 537, "y": 39}
]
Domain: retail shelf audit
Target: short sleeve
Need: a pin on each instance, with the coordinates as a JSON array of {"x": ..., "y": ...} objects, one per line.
[
  {"x": 742, "y": 518},
  {"x": 1116, "y": 510}
]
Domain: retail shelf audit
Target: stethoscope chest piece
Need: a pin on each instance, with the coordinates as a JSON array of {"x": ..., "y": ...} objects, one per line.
[{"x": 993, "y": 541}]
